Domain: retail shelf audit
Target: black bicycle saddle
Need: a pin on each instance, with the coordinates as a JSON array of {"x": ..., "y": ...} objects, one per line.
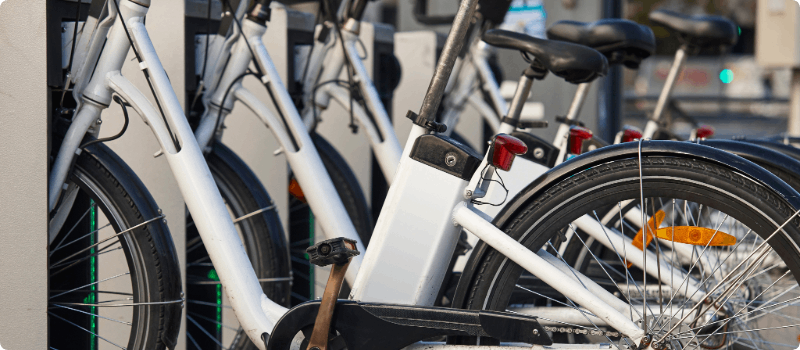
[
  {"x": 575, "y": 63},
  {"x": 621, "y": 40},
  {"x": 698, "y": 30}
]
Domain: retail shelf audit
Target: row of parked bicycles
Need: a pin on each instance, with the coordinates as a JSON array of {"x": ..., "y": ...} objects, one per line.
[{"x": 648, "y": 243}]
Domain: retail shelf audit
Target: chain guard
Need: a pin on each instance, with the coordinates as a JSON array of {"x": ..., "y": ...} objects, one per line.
[{"x": 367, "y": 326}]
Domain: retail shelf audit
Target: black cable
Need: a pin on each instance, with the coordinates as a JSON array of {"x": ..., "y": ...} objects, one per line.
[
  {"x": 341, "y": 83},
  {"x": 363, "y": 47},
  {"x": 119, "y": 134},
  {"x": 241, "y": 32},
  {"x": 146, "y": 76},
  {"x": 501, "y": 182},
  {"x": 225, "y": 96}
]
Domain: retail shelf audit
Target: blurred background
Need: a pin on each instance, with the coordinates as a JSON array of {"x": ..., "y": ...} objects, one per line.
[{"x": 727, "y": 89}]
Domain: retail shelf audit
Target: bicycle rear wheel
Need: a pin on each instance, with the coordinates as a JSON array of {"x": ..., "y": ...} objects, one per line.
[
  {"x": 113, "y": 272},
  {"x": 751, "y": 288}
]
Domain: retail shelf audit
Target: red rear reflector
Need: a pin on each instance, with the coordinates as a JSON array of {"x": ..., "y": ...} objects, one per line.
[
  {"x": 504, "y": 149},
  {"x": 704, "y": 131},
  {"x": 577, "y": 134},
  {"x": 631, "y": 133}
]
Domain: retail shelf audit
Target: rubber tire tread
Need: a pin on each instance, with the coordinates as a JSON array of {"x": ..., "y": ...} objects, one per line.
[{"x": 155, "y": 245}]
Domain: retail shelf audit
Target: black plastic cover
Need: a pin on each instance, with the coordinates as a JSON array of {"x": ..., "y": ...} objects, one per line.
[
  {"x": 446, "y": 154},
  {"x": 539, "y": 150}
]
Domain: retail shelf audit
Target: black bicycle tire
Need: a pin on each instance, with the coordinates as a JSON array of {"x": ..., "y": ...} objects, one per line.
[
  {"x": 489, "y": 285},
  {"x": 149, "y": 250}
]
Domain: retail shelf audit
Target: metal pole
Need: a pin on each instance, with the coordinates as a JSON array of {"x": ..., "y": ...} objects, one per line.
[
  {"x": 452, "y": 46},
  {"x": 609, "y": 96},
  {"x": 794, "y": 104}
]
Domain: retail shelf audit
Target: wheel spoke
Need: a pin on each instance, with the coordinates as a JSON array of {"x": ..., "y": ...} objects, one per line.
[
  {"x": 213, "y": 338},
  {"x": 211, "y": 320},
  {"x": 89, "y": 313},
  {"x": 70, "y": 230},
  {"x": 90, "y": 284},
  {"x": 108, "y": 238},
  {"x": 88, "y": 331}
]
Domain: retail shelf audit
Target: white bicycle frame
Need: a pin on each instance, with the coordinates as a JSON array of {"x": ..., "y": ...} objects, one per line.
[
  {"x": 326, "y": 63},
  {"x": 415, "y": 234},
  {"x": 288, "y": 129}
]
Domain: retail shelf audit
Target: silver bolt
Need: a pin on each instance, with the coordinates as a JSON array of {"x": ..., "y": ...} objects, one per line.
[
  {"x": 450, "y": 159},
  {"x": 469, "y": 193},
  {"x": 538, "y": 153},
  {"x": 535, "y": 331},
  {"x": 98, "y": 122}
]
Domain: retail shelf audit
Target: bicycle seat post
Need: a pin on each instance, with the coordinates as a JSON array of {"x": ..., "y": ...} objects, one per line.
[
  {"x": 666, "y": 91},
  {"x": 510, "y": 122},
  {"x": 572, "y": 114},
  {"x": 441, "y": 75}
]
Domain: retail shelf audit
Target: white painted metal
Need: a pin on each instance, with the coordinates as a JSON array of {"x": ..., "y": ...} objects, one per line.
[
  {"x": 586, "y": 282},
  {"x": 414, "y": 237},
  {"x": 302, "y": 157},
  {"x": 548, "y": 273},
  {"x": 672, "y": 77},
  {"x": 380, "y": 131}
]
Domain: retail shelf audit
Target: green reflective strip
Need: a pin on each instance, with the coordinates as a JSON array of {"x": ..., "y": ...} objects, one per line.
[
  {"x": 92, "y": 297},
  {"x": 212, "y": 275},
  {"x": 219, "y": 309}
]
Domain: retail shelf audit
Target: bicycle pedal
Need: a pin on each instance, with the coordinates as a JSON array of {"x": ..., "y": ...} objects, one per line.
[{"x": 332, "y": 251}]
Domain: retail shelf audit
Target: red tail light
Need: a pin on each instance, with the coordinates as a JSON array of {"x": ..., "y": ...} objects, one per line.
[
  {"x": 504, "y": 149},
  {"x": 577, "y": 134},
  {"x": 704, "y": 131},
  {"x": 631, "y": 133}
]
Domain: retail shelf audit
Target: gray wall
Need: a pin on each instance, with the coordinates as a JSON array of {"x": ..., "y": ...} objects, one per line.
[{"x": 23, "y": 179}]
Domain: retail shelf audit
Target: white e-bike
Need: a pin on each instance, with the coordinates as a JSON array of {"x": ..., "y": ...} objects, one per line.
[{"x": 430, "y": 200}]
